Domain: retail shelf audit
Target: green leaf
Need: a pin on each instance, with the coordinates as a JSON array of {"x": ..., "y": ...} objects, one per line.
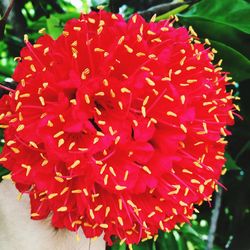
[
  {"x": 172, "y": 12},
  {"x": 234, "y": 13},
  {"x": 223, "y": 33},
  {"x": 6, "y": 71},
  {"x": 146, "y": 245},
  {"x": 227, "y": 24},
  {"x": 180, "y": 241},
  {"x": 231, "y": 163},
  {"x": 6, "y": 62},
  {"x": 117, "y": 246},
  {"x": 54, "y": 26},
  {"x": 85, "y": 6},
  {"x": 39, "y": 24},
  {"x": 166, "y": 241},
  {"x": 188, "y": 229},
  {"x": 3, "y": 171},
  {"x": 230, "y": 38},
  {"x": 240, "y": 70},
  {"x": 66, "y": 16}
]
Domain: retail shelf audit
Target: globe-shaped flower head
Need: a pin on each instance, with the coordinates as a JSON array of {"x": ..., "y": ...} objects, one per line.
[{"x": 116, "y": 127}]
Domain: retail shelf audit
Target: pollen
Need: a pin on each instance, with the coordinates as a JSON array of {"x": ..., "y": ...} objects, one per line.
[
  {"x": 20, "y": 128},
  {"x": 120, "y": 220},
  {"x": 171, "y": 113},
  {"x": 61, "y": 142},
  {"x": 119, "y": 188},
  {"x": 58, "y": 134},
  {"x": 146, "y": 169},
  {"x": 75, "y": 164},
  {"x": 62, "y": 209},
  {"x": 87, "y": 100},
  {"x": 183, "y": 128},
  {"x": 150, "y": 81},
  {"x": 33, "y": 144},
  {"x": 129, "y": 49},
  {"x": 143, "y": 111}
]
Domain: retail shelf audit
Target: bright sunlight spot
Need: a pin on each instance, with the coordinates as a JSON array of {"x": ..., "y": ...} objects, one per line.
[{"x": 77, "y": 3}]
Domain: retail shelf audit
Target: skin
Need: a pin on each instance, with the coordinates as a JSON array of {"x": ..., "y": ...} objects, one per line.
[{"x": 19, "y": 232}]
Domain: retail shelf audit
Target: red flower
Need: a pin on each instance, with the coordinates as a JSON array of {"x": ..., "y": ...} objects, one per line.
[{"x": 116, "y": 127}]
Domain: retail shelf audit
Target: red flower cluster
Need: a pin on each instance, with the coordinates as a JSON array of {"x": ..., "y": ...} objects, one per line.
[{"x": 116, "y": 127}]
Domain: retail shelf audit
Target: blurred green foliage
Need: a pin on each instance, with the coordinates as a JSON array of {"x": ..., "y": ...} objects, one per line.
[{"x": 226, "y": 23}]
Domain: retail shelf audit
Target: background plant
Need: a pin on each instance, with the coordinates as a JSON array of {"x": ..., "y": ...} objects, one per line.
[{"x": 226, "y": 24}]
